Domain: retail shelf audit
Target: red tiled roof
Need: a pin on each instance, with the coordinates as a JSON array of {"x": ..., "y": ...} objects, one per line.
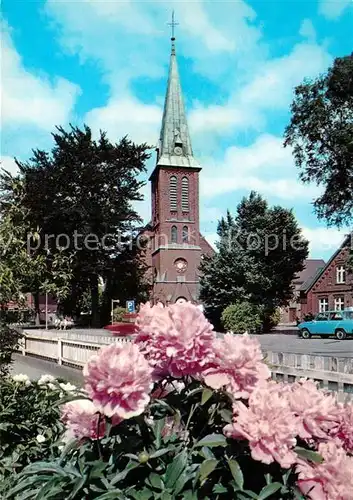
[{"x": 311, "y": 268}]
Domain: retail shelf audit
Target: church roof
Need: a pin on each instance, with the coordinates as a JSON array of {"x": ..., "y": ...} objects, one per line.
[{"x": 174, "y": 146}]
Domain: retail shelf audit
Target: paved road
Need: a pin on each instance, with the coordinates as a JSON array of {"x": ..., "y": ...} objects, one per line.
[
  {"x": 316, "y": 346},
  {"x": 34, "y": 368}
]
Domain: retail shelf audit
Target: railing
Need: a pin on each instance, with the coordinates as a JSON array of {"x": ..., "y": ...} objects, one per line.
[{"x": 334, "y": 374}]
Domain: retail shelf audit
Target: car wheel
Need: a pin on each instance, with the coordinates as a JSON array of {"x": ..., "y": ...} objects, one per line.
[
  {"x": 305, "y": 333},
  {"x": 340, "y": 334}
]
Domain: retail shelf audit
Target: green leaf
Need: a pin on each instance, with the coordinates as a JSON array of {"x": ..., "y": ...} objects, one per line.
[
  {"x": 161, "y": 452},
  {"x": 310, "y": 455},
  {"x": 268, "y": 490},
  {"x": 122, "y": 475},
  {"x": 155, "y": 481},
  {"x": 175, "y": 469},
  {"x": 158, "y": 428},
  {"x": 219, "y": 489},
  {"x": 206, "y": 395},
  {"x": 77, "y": 486},
  {"x": 212, "y": 440},
  {"x": 112, "y": 495},
  {"x": 206, "y": 468},
  {"x": 236, "y": 473},
  {"x": 206, "y": 452},
  {"x": 226, "y": 415}
]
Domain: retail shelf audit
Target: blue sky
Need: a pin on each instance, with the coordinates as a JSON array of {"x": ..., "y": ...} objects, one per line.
[{"x": 105, "y": 63}]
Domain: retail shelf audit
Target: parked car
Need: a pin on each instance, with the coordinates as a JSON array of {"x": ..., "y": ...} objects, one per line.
[{"x": 337, "y": 323}]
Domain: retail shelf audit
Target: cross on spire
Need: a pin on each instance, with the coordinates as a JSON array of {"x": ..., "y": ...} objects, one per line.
[{"x": 172, "y": 25}]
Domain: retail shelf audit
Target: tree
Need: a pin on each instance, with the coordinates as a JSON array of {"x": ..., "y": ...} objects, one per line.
[
  {"x": 80, "y": 196},
  {"x": 260, "y": 250},
  {"x": 242, "y": 317},
  {"x": 21, "y": 270},
  {"x": 321, "y": 134}
]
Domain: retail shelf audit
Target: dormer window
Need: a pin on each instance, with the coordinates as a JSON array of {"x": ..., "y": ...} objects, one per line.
[{"x": 340, "y": 274}]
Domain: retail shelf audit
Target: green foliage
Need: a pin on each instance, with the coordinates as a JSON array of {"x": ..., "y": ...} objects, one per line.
[
  {"x": 176, "y": 451},
  {"x": 84, "y": 189},
  {"x": 26, "y": 411},
  {"x": 118, "y": 314},
  {"x": 23, "y": 270},
  {"x": 320, "y": 133},
  {"x": 9, "y": 339},
  {"x": 242, "y": 317},
  {"x": 260, "y": 251}
]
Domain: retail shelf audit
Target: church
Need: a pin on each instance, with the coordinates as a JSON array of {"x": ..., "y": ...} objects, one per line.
[{"x": 176, "y": 246}]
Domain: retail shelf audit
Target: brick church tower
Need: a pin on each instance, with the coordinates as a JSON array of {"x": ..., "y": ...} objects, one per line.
[{"x": 177, "y": 246}]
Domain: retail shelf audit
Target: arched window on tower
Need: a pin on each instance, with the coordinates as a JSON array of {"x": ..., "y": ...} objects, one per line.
[
  {"x": 185, "y": 234},
  {"x": 174, "y": 234},
  {"x": 185, "y": 194},
  {"x": 173, "y": 193}
]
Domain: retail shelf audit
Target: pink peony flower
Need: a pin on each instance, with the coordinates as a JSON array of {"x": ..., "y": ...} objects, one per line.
[
  {"x": 268, "y": 424},
  {"x": 344, "y": 431},
  {"x": 83, "y": 420},
  {"x": 177, "y": 340},
  {"x": 118, "y": 380},
  {"x": 238, "y": 365},
  {"x": 318, "y": 412},
  {"x": 330, "y": 480}
]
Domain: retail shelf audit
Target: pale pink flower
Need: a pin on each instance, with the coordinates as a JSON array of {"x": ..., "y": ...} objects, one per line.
[
  {"x": 344, "y": 431},
  {"x": 238, "y": 365},
  {"x": 268, "y": 424},
  {"x": 330, "y": 480},
  {"x": 118, "y": 380},
  {"x": 83, "y": 419},
  {"x": 177, "y": 340},
  {"x": 317, "y": 412}
]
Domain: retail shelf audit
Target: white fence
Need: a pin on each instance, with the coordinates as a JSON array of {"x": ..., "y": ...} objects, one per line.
[{"x": 334, "y": 374}]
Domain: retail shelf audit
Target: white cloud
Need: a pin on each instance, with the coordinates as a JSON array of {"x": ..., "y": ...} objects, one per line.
[
  {"x": 323, "y": 241},
  {"x": 333, "y": 9},
  {"x": 8, "y": 163},
  {"x": 264, "y": 166},
  {"x": 307, "y": 30},
  {"x": 127, "y": 116},
  {"x": 28, "y": 99}
]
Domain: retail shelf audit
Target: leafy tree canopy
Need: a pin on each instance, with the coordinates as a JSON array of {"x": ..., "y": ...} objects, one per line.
[
  {"x": 80, "y": 197},
  {"x": 321, "y": 134},
  {"x": 260, "y": 250}
]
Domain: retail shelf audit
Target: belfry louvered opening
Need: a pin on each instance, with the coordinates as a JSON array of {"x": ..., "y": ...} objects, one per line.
[
  {"x": 173, "y": 193},
  {"x": 185, "y": 194}
]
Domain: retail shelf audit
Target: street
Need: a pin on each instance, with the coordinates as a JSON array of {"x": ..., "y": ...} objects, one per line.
[
  {"x": 315, "y": 346},
  {"x": 34, "y": 368}
]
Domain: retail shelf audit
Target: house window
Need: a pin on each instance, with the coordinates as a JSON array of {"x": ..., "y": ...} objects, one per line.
[
  {"x": 185, "y": 234},
  {"x": 174, "y": 234},
  {"x": 340, "y": 274},
  {"x": 185, "y": 194},
  {"x": 323, "y": 305},
  {"x": 339, "y": 303},
  {"x": 173, "y": 193}
]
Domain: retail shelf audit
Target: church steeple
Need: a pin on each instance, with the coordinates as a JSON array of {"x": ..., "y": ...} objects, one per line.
[{"x": 174, "y": 147}]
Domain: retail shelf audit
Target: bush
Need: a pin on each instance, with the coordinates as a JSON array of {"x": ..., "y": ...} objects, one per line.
[
  {"x": 9, "y": 339},
  {"x": 212, "y": 426},
  {"x": 242, "y": 317},
  {"x": 118, "y": 314},
  {"x": 29, "y": 422}
]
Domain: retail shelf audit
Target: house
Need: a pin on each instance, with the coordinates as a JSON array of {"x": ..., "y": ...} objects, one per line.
[
  {"x": 331, "y": 288},
  {"x": 293, "y": 311}
]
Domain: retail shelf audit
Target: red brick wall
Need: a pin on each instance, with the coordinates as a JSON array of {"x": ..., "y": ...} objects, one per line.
[{"x": 327, "y": 287}]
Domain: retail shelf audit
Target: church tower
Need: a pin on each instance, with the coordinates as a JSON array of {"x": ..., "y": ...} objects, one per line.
[{"x": 177, "y": 245}]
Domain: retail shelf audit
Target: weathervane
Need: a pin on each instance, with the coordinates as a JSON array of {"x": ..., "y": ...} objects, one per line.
[{"x": 173, "y": 24}]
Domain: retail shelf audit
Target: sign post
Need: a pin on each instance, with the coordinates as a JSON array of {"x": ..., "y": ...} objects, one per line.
[{"x": 130, "y": 306}]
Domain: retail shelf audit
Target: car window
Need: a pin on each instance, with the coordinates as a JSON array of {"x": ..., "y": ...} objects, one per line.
[
  {"x": 349, "y": 314},
  {"x": 321, "y": 317},
  {"x": 336, "y": 316}
]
